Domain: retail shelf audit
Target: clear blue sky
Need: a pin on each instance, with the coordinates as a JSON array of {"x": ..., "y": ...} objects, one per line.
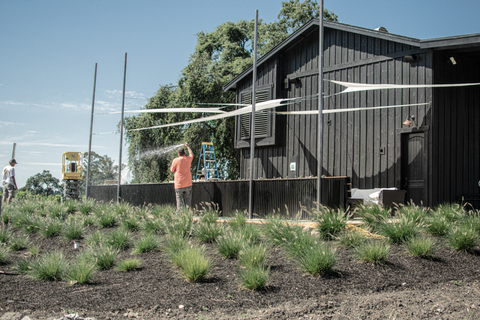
[{"x": 48, "y": 50}]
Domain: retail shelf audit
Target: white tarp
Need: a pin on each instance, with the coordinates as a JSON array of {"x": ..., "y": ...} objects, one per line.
[
  {"x": 169, "y": 110},
  {"x": 350, "y": 109},
  {"x": 248, "y": 109},
  {"x": 354, "y": 87}
]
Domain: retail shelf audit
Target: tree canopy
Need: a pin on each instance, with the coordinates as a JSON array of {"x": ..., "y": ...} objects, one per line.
[
  {"x": 219, "y": 56},
  {"x": 43, "y": 184}
]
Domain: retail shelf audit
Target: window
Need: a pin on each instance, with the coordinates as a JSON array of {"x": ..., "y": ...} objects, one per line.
[{"x": 264, "y": 121}]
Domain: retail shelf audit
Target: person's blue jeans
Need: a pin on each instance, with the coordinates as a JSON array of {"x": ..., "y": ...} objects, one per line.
[{"x": 184, "y": 196}]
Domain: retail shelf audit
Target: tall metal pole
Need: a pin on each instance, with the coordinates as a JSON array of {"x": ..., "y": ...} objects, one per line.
[
  {"x": 14, "y": 149},
  {"x": 320, "y": 106},
  {"x": 121, "y": 131},
  {"x": 252, "y": 121},
  {"x": 91, "y": 130}
]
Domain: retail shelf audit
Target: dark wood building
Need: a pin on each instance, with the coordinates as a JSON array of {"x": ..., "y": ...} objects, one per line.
[{"x": 436, "y": 160}]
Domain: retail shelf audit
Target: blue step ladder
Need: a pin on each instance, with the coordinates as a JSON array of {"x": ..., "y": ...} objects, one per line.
[{"x": 209, "y": 172}]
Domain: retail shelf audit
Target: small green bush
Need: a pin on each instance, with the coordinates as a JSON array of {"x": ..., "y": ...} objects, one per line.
[
  {"x": 22, "y": 266},
  {"x": 278, "y": 233},
  {"x": 87, "y": 207},
  {"x": 438, "y": 225},
  {"x": 4, "y": 253},
  {"x": 208, "y": 231},
  {"x": 239, "y": 221},
  {"x": 49, "y": 267},
  {"x": 194, "y": 263},
  {"x": 73, "y": 230},
  {"x": 81, "y": 271},
  {"x": 463, "y": 238},
  {"x": 148, "y": 243},
  {"x": 95, "y": 238},
  {"x": 119, "y": 239},
  {"x": 104, "y": 256},
  {"x": 254, "y": 278},
  {"x": 318, "y": 260},
  {"x": 372, "y": 215},
  {"x": 5, "y": 234},
  {"x": 152, "y": 225},
  {"x": 129, "y": 265},
  {"x": 229, "y": 244},
  {"x": 107, "y": 219},
  {"x": 330, "y": 222},
  {"x": 18, "y": 243},
  {"x": 252, "y": 255},
  {"x": 373, "y": 251},
  {"x": 423, "y": 247},
  {"x": 401, "y": 230},
  {"x": 51, "y": 228},
  {"x": 351, "y": 238},
  {"x": 130, "y": 223}
]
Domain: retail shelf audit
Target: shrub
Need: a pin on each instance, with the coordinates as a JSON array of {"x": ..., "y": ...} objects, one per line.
[
  {"x": 22, "y": 266},
  {"x": 152, "y": 225},
  {"x": 103, "y": 256},
  {"x": 451, "y": 211},
  {"x": 351, "y": 238},
  {"x": 251, "y": 233},
  {"x": 229, "y": 244},
  {"x": 145, "y": 244},
  {"x": 130, "y": 223},
  {"x": 318, "y": 260},
  {"x": 239, "y": 221},
  {"x": 252, "y": 255},
  {"x": 372, "y": 215},
  {"x": 208, "y": 231},
  {"x": 70, "y": 206},
  {"x": 89, "y": 221},
  {"x": 423, "y": 247},
  {"x": 19, "y": 243},
  {"x": 87, "y": 207},
  {"x": 401, "y": 230},
  {"x": 49, "y": 267},
  {"x": 193, "y": 263},
  {"x": 57, "y": 211},
  {"x": 34, "y": 250},
  {"x": 129, "y": 265},
  {"x": 95, "y": 238},
  {"x": 73, "y": 230},
  {"x": 254, "y": 278},
  {"x": 174, "y": 244},
  {"x": 5, "y": 234},
  {"x": 463, "y": 238},
  {"x": 107, "y": 219},
  {"x": 278, "y": 232},
  {"x": 51, "y": 228},
  {"x": 81, "y": 271},
  {"x": 330, "y": 222},
  {"x": 373, "y": 251},
  {"x": 181, "y": 225},
  {"x": 438, "y": 225},
  {"x": 4, "y": 253},
  {"x": 119, "y": 239}
]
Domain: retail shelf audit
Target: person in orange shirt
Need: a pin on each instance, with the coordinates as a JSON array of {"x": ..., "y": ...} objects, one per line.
[{"x": 183, "y": 177}]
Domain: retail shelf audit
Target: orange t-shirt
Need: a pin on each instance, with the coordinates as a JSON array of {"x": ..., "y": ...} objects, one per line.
[{"x": 181, "y": 169}]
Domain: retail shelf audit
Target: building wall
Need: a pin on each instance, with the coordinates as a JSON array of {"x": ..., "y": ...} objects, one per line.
[
  {"x": 456, "y": 137},
  {"x": 364, "y": 145}
]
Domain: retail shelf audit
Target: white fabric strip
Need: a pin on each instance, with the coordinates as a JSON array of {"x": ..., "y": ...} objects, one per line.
[
  {"x": 169, "y": 110},
  {"x": 258, "y": 107},
  {"x": 350, "y": 109},
  {"x": 354, "y": 87}
]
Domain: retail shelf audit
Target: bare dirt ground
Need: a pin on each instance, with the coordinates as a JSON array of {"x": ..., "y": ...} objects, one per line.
[{"x": 445, "y": 287}]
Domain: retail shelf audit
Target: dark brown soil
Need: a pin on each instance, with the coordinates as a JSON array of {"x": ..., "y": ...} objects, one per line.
[{"x": 445, "y": 287}]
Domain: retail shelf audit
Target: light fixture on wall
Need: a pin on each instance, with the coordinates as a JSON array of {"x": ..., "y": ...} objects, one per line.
[
  {"x": 453, "y": 61},
  {"x": 410, "y": 121}
]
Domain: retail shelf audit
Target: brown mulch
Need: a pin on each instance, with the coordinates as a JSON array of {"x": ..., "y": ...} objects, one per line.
[{"x": 444, "y": 287}]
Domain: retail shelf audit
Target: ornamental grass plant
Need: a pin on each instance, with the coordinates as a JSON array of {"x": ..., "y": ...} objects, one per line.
[
  {"x": 48, "y": 267},
  {"x": 401, "y": 229},
  {"x": 118, "y": 239},
  {"x": 129, "y": 265},
  {"x": 278, "y": 232},
  {"x": 104, "y": 256},
  {"x": 373, "y": 251},
  {"x": 372, "y": 215},
  {"x": 254, "y": 278},
  {"x": 207, "y": 231},
  {"x": 18, "y": 243},
  {"x": 4, "y": 253},
  {"x": 147, "y": 243},
  {"x": 73, "y": 230},
  {"x": 193, "y": 263},
  {"x": 5, "y": 234},
  {"x": 350, "y": 238},
  {"x": 51, "y": 228},
  {"x": 82, "y": 271},
  {"x": 229, "y": 244},
  {"x": 330, "y": 222},
  {"x": 421, "y": 246},
  {"x": 462, "y": 237}
]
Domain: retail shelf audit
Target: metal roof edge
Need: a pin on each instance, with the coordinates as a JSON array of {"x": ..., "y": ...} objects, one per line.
[{"x": 445, "y": 42}]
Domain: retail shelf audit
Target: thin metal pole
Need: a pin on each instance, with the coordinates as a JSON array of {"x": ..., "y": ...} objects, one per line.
[
  {"x": 91, "y": 130},
  {"x": 121, "y": 131},
  {"x": 320, "y": 106},
  {"x": 252, "y": 121},
  {"x": 14, "y": 149}
]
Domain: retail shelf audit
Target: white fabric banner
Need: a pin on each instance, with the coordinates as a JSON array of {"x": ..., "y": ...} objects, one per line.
[
  {"x": 248, "y": 109},
  {"x": 350, "y": 109},
  {"x": 168, "y": 110},
  {"x": 354, "y": 87}
]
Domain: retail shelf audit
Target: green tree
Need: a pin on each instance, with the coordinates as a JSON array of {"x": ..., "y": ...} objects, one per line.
[
  {"x": 43, "y": 184},
  {"x": 219, "y": 56},
  {"x": 102, "y": 168}
]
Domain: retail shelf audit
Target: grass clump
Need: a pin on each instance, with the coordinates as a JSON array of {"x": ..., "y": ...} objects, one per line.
[
  {"x": 107, "y": 219},
  {"x": 5, "y": 234},
  {"x": 4, "y": 253},
  {"x": 129, "y": 265},
  {"x": 239, "y": 221},
  {"x": 401, "y": 230},
  {"x": 174, "y": 244},
  {"x": 280, "y": 233},
  {"x": 87, "y": 207},
  {"x": 229, "y": 244},
  {"x": 463, "y": 238},
  {"x": 373, "y": 251},
  {"x": 119, "y": 239},
  {"x": 254, "y": 278},
  {"x": 22, "y": 266},
  {"x": 351, "y": 238},
  {"x": 51, "y": 228},
  {"x": 103, "y": 256},
  {"x": 152, "y": 225},
  {"x": 148, "y": 243},
  {"x": 207, "y": 231},
  {"x": 95, "y": 238},
  {"x": 252, "y": 255},
  {"x": 130, "y": 223},
  {"x": 330, "y": 222},
  {"x": 73, "y": 230},
  {"x": 438, "y": 225},
  {"x": 81, "y": 272},
  {"x": 423, "y": 247},
  {"x": 49, "y": 267},
  {"x": 18, "y": 243},
  {"x": 372, "y": 215},
  {"x": 193, "y": 263}
]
